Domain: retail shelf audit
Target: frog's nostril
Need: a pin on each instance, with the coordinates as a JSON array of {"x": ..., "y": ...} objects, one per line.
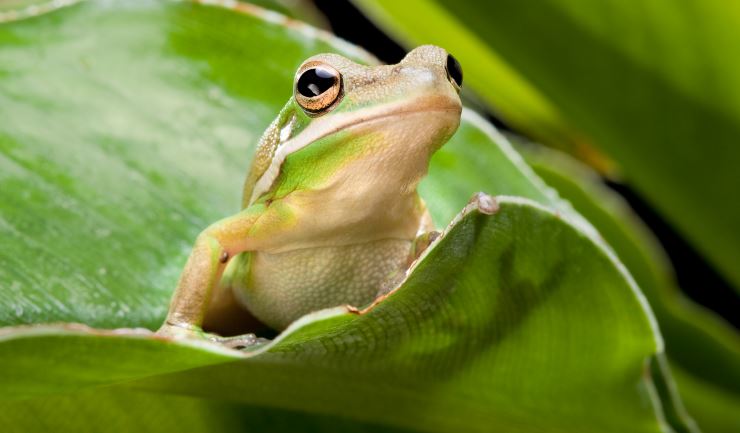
[{"x": 454, "y": 70}]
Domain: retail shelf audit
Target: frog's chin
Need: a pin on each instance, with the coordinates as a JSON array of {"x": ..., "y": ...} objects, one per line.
[
  {"x": 395, "y": 153},
  {"x": 407, "y": 136}
]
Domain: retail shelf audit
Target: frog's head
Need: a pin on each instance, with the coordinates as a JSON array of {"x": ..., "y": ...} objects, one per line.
[{"x": 367, "y": 127}]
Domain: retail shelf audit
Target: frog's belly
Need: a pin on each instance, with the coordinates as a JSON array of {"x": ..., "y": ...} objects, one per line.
[{"x": 279, "y": 288}]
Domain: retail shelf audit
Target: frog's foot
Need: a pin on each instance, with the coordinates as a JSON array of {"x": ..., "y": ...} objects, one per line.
[
  {"x": 196, "y": 333},
  {"x": 180, "y": 331},
  {"x": 239, "y": 342}
]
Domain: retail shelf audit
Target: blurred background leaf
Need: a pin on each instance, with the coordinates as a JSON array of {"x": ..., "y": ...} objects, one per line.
[
  {"x": 652, "y": 85},
  {"x": 695, "y": 337}
]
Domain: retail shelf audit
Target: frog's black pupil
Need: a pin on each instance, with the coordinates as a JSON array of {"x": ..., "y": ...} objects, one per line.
[
  {"x": 316, "y": 81},
  {"x": 454, "y": 69}
]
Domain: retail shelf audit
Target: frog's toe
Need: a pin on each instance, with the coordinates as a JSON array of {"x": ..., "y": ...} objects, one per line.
[
  {"x": 195, "y": 333},
  {"x": 174, "y": 331},
  {"x": 243, "y": 341}
]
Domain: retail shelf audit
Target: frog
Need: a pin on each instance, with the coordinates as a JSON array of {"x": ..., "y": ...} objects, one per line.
[{"x": 330, "y": 213}]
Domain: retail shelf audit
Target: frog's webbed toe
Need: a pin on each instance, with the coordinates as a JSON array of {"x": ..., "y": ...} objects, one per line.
[
  {"x": 239, "y": 342},
  {"x": 169, "y": 330},
  {"x": 195, "y": 333}
]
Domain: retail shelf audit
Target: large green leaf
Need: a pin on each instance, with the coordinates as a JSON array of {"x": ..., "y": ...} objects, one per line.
[
  {"x": 125, "y": 128},
  {"x": 654, "y": 85},
  {"x": 695, "y": 338},
  {"x": 477, "y": 330},
  {"x": 124, "y": 411}
]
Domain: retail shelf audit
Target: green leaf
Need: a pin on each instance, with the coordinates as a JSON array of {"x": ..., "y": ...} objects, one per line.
[
  {"x": 476, "y": 330},
  {"x": 124, "y": 412},
  {"x": 654, "y": 86},
  {"x": 479, "y": 158},
  {"x": 713, "y": 407},
  {"x": 114, "y": 155},
  {"x": 695, "y": 337},
  {"x": 47, "y": 359},
  {"x": 304, "y": 10},
  {"x": 120, "y": 410}
]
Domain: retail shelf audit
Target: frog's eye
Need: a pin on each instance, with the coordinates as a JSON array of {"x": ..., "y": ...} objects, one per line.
[
  {"x": 454, "y": 71},
  {"x": 318, "y": 87}
]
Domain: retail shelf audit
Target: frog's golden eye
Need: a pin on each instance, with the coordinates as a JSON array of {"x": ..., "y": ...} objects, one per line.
[
  {"x": 454, "y": 71},
  {"x": 318, "y": 87}
]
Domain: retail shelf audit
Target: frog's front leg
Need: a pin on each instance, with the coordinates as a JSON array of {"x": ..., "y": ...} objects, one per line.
[{"x": 213, "y": 249}]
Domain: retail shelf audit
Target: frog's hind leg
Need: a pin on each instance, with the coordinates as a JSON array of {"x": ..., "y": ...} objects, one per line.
[{"x": 225, "y": 315}]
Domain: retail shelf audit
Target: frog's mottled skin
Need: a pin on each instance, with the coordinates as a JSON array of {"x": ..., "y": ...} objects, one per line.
[{"x": 330, "y": 209}]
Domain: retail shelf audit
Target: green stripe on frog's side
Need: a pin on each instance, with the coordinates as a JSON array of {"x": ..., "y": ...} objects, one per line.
[
  {"x": 312, "y": 166},
  {"x": 331, "y": 207}
]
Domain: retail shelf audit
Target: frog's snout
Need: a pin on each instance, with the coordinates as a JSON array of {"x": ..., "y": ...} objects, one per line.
[{"x": 438, "y": 61}]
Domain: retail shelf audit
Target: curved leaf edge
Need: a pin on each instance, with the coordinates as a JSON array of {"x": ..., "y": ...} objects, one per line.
[
  {"x": 557, "y": 206},
  {"x": 216, "y": 354}
]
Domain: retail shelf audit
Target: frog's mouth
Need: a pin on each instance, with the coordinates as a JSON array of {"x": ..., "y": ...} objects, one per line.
[{"x": 325, "y": 127}]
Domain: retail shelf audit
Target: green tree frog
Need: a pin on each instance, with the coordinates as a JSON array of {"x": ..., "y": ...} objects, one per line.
[{"x": 330, "y": 210}]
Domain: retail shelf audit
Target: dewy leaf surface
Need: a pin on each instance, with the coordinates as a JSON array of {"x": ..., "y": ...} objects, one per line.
[
  {"x": 654, "y": 85},
  {"x": 114, "y": 155}
]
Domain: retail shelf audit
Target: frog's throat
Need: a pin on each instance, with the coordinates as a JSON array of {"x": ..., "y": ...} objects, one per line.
[{"x": 339, "y": 122}]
